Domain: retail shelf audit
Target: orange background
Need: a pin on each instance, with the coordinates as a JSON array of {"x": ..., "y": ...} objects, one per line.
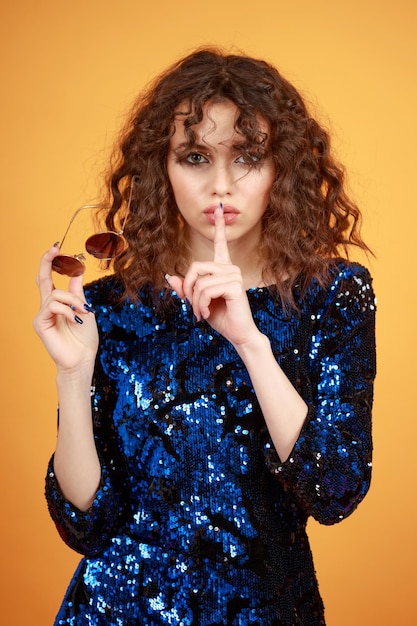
[{"x": 69, "y": 71}]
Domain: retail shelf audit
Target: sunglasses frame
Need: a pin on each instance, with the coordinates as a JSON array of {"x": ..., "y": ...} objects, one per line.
[{"x": 58, "y": 263}]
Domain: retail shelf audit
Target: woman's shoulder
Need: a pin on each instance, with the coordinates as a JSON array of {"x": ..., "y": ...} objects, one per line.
[
  {"x": 341, "y": 274},
  {"x": 348, "y": 290},
  {"x": 344, "y": 281},
  {"x": 116, "y": 313},
  {"x": 345, "y": 269},
  {"x": 349, "y": 277}
]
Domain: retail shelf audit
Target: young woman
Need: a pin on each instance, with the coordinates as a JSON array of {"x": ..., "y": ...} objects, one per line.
[{"x": 215, "y": 390}]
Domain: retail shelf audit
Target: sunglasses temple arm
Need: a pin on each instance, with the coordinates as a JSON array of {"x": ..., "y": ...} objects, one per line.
[
  {"x": 100, "y": 206},
  {"x": 134, "y": 180},
  {"x": 81, "y": 208}
]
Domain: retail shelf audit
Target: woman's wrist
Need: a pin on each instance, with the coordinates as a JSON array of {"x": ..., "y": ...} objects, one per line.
[
  {"x": 76, "y": 379},
  {"x": 254, "y": 347}
]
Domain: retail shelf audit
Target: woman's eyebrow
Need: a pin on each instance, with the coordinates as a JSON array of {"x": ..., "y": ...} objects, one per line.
[
  {"x": 207, "y": 147},
  {"x": 184, "y": 146}
]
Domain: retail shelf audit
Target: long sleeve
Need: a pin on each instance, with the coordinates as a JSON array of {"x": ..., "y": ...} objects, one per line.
[
  {"x": 88, "y": 531},
  {"x": 329, "y": 469}
]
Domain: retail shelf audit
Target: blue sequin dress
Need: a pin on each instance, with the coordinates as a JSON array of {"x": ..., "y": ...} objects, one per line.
[{"x": 196, "y": 521}]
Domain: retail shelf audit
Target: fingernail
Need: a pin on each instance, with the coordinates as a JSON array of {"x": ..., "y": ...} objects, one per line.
[
  {"x": 56, "y": 244},
  {"x": 221, "y": 205},
  {"x": 78, "y": 320},
  {"x": 167, "y": 277},
  {"x": 89, "y": 308},
  {"x": 72, "y": 307}
]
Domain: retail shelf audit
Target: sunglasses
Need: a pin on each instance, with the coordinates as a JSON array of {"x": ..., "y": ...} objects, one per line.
[{"x": 104, "y": 245}]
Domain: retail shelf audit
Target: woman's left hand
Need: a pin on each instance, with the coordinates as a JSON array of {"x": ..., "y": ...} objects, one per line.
[{"x": 216, "y": 292}]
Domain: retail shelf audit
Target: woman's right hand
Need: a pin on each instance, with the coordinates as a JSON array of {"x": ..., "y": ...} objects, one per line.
[{"x": 66, "y": 327}]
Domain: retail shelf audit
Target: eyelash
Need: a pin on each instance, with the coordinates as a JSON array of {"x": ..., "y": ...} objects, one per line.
[{"x": 255, "y": 159}]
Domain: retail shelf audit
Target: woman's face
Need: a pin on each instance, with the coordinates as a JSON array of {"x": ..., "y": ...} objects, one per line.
[{"x": 215, "y": 171}]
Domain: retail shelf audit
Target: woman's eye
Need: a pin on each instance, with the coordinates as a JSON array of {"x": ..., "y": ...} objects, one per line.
[
  {"x": 196, "y": 158},
  {"x": 248, "y": 159}
]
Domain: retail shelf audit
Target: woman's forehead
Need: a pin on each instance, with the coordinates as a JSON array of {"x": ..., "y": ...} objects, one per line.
[{"x": 219, "y": 118}]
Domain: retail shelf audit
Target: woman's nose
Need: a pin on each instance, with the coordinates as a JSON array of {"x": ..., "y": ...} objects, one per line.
[{"x": 222, "y": 181}]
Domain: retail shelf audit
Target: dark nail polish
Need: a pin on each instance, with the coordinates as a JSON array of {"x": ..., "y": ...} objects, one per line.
[
  {"x": 78, "y": 320},
  {"x": 89, "y": 308},
  {"x": 56, "y": 244}
]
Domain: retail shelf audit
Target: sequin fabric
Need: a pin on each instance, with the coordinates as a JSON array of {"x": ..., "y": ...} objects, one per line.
[{"x": 196, "y": 520}]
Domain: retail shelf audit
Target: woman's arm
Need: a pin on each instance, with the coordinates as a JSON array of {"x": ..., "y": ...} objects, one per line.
[
  {"x": 76, "y": 463},
  {"x": 283, "y": 408},
  {"x": 315, "y": 448},
  {"x": 87, "y": 531},
  {"x": 69, "y": 333},
  {"x": 82, "y": 490},
  {"x": 329, "y": 468}
]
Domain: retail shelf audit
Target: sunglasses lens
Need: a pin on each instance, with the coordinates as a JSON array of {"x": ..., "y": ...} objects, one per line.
[
  {"x": 68, "y": 265},
  {"x": 105, "y": 245}
]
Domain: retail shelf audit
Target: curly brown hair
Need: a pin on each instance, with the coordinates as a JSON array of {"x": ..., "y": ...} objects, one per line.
[{"x": 310, "y": 218}]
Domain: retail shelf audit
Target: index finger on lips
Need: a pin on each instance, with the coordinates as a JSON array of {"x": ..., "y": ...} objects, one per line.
[{"x": 221, "y": 249}]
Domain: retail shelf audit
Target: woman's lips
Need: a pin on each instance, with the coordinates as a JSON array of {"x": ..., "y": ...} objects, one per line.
[{"x": 230, "y": 214}]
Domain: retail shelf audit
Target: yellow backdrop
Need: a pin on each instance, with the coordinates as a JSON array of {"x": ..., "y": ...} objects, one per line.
[{"x": 69, "y": 70}]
